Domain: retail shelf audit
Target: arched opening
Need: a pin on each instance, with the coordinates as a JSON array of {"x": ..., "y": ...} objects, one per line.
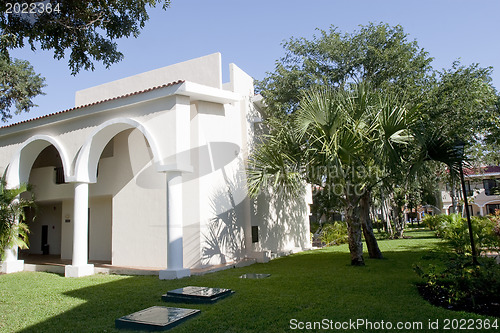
[
  {"x": 474, "y": 209},
  {"x": 42, "y": 167},
  {"x": 491, "y": 207},
  {"x": 126, "y": 198}
]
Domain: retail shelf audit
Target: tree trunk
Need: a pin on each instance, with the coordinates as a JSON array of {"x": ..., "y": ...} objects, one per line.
[
  {"x": 385, "y": 215},
  {"x": 366, "y": 222},
  {"x": 400, "y": 224},
  {"x": 454, "y": 198},
  {"x": 354, "y": 234},
  {"x": 374, "y": 217}
]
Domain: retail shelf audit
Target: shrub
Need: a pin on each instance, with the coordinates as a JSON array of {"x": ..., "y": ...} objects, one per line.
[
  {"x": 334, "y": 234},
  {"x": 455, "y": 229},
  {"x": 436, "y": 222},
  {"x": 485, "y": 236},
  {"x": 495, "y": 219},
  {"x": 461, "y": 286},
  {"x": 430, "y": 221}
]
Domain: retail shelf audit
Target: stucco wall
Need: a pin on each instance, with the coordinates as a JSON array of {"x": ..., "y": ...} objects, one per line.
[
  {"x": 67, "y": 229},
  {"x": 139, "y": 203},
  {"x": 220, "y": 185},
  {"x": 128, "y": 200},
  {"x": 283, "y": 222},
  {"x": 204, "y": 70},
  {"x": 100, "y": 228},
  {"x": 49, "y": 215}
]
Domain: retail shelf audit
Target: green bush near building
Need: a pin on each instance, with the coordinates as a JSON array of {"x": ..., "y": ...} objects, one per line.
[
  {"x": 455, "y": 230},
  {"x": 334, "y": 233}
]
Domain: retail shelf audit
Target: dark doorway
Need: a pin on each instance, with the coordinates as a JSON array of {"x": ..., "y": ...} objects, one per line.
[{"x": 45, "y": 239}]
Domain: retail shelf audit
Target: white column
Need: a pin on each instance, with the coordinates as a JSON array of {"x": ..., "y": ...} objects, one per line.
[
  {"x": 11, "y": 264},
  {"x": 175, "y": 265},
  {"x": 79, "y": 264}
]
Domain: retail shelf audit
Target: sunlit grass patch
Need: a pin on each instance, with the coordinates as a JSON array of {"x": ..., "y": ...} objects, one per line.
[{"x": 308, "y": 287}]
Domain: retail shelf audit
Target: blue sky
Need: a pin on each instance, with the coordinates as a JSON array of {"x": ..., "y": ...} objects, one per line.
[{"x": 250, "y": 33}]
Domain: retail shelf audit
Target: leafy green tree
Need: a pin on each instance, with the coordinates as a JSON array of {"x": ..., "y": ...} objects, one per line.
[
  {"x": 380, "y": 55},
  {"x": 461, "y": 103},
  {"x": 376, "y": 53},
  {"x": 83, "y": 31},
  {"x": 336, "y": 139},
  {"x": 13, "y": 229},
  {"x": 18, "y": 85},
  {"x": 488, "y": 150}
]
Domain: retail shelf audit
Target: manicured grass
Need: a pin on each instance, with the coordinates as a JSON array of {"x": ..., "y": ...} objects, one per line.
[{"x": 308, "y": 287}]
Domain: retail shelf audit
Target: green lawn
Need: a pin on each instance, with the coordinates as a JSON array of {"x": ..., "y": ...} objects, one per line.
[{"x": 312, "y": 286}]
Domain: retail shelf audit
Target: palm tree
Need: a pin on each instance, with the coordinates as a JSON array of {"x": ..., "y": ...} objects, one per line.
[
  {"x": 336, "y": 139},
  {"x": 13, "y": 230}
]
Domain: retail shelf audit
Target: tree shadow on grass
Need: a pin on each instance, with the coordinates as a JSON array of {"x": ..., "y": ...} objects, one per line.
[
  {"x": 423, "y": 236},
  {"x": 309, "y": 286},
  {"x": 106, "y": 302}
]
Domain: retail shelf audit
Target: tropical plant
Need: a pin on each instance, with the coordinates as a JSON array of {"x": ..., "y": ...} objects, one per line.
[
  {"x": 13, "y": 228},
  {"x": 334, "y": 233},
  {"x": 495, "y": 219},
  {"x": 454, "y": 229},
  {"x": 433, "y": 222},
  {"x": 342, "y": 140},
  {"x": 345, "y": 133},
  {"x": 461, "y": 286}
]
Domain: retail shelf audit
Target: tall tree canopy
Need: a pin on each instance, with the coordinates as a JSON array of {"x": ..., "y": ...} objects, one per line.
[
  {"x": 342, "y": 139},
  {"x": 84, "y": 32},
  {"x": 461, "y": 102},
  {"x": 379, "y": 54},
  {"x": 18, "y": 85},
  {"x": 414, "y": 115}
]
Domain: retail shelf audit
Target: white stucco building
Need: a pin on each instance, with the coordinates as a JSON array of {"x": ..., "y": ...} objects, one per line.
[
  {"x": 149, "y": 171},
  {"x": 481, "y": 185}
]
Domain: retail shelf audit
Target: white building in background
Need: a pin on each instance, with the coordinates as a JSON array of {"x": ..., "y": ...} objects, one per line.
[
  {"x": 149, "y": 171},
  {"x": 483, "y": 191}
]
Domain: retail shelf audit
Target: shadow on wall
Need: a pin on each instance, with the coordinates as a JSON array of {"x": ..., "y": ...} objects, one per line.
[
  {"x": 224, "y": 239},
  {"x": 282, "y": 220}
]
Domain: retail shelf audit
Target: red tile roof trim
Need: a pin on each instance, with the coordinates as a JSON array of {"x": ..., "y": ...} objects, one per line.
[
  {"x": 482, "y": 170},
  {"x": 96, "y": 103}
]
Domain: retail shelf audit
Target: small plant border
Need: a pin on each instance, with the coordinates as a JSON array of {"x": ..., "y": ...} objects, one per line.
[{"x": 462, "y": 292}]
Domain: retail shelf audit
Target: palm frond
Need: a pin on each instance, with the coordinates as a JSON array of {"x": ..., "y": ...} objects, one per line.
[
  {"x": 436, "y": 147},
  {"x": 13, "y": 230}
]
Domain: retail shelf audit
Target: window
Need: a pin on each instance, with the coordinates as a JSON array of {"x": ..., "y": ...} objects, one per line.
[
  {"x": 59, "y": 175},
  {"x": 490, "y": 186},
  {"x": 255, "y": 234},
  {"x": 468, "y": 189},
  {"x": 490, "y": 209}
]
